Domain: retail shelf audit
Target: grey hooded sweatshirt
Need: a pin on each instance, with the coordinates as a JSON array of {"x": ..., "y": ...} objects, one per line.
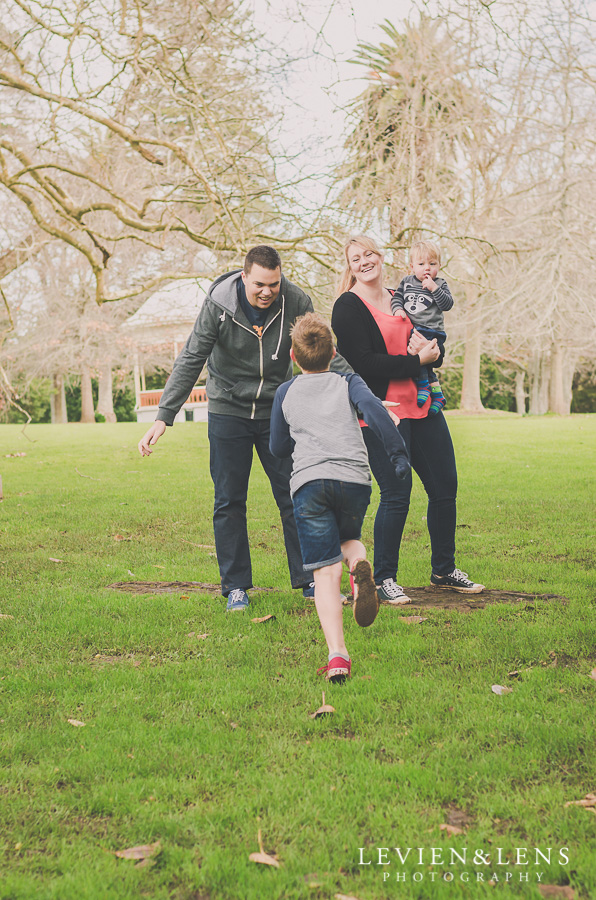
[{"x": 244, "y": 370}]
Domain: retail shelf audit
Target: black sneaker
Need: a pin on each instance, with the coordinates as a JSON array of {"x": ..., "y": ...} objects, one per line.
[
  {"x": 456, "y": 581},
  {"x": 390, "y": 592}
]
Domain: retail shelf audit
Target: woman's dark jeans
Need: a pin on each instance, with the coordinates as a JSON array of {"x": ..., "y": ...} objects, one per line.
[{"x": 431, "y": 453}]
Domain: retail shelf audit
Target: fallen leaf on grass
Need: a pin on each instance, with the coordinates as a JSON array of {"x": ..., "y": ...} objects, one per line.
[
  {"x": 144, "y": 851},
  {"x": 412, "y": 620},
  {"x": 588, "y": 802},
  {"x": 132, "y": 574},
  {"x": 450, "y": 829},
  {"x": 345, "y": 897},
  {"x": 76, "y": 723},
  {"x": 262, "y": 619},
  {"x": 199, "y": 637},
  {"x": 122, "y": 537},
  {"x": 563, "y": 891},
  {"x": 233, "y": 724},
  {"x": 514, "y": 674},
  {"x": 262, "y": 857},
  {"x": 145, "y": 863},
  {"x": 593, "y": 674},
  {"x": 323, "y": 710},
  {"x": 5, "y": 616},
  {"x": 53, "y": 559},
  {"x": 501, "y": 689}
]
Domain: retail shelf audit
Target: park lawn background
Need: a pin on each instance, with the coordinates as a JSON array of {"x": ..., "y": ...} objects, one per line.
[{"x": 200, "y": 743}]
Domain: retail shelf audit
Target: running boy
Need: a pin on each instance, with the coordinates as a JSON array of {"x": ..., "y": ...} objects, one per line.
[
  {"x": 314, "y": 420},
  {"x": 425, "y": 298}
]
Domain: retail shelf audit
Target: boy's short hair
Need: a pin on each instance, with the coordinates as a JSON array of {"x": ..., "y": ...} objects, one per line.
[
  {"x": 264, "y": 256},
  {"x": 312, "y": 342},
  {"x": 426, "y": 250}
]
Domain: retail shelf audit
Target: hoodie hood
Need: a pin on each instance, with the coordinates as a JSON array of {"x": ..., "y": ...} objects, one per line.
[{"x": 223, "y": 291}]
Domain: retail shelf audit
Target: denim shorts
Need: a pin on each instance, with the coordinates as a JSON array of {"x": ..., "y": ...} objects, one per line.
[{"x": 327, "y": 513}]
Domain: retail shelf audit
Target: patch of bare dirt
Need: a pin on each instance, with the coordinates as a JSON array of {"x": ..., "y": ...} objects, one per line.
[
  {"x": 109, "y": 660},
  {"x": 172, "y": 587},
  {"x": 443, "y": 598},
  {"x": 427, "y": 597},
  {"x": 458, "y": 818}
]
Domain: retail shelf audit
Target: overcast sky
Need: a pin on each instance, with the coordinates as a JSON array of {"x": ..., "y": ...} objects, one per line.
[{"x": 322, "y": 35}]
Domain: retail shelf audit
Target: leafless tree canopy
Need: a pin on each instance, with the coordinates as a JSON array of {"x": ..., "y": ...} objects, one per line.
[
  {"x": 134, "y": 122},
  {"x": 137, "y": 132}
]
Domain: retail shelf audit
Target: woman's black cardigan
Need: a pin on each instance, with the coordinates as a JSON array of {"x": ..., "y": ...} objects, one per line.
[{"x": 360, "y": 342}]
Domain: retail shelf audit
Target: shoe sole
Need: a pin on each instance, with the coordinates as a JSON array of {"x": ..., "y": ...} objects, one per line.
[
  {"x": 403, "y": 602},
  {"x": 337, "y": 676},
  {"x": 366, "y": 604},
  {"x": 477, "y": 589}
]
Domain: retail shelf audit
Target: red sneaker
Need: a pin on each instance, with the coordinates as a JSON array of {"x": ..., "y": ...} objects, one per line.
[{"x": 336, "y": 670}]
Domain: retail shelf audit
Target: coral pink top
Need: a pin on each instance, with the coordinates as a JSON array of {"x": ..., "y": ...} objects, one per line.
[{"x": 396, "y": 334}]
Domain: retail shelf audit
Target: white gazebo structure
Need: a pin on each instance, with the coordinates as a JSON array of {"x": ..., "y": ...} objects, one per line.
[{"x": 166, "y": 317}]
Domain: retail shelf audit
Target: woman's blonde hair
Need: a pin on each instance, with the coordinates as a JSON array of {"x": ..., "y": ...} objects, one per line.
[{"x": 347, "y": 279}]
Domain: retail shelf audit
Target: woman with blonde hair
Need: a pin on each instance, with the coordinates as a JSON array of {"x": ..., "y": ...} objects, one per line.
[{"x": 387, "y": 354}]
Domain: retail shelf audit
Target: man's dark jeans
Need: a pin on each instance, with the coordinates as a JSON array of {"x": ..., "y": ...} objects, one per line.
[
  {"x": 431, "y": 454},
  {"x": 231, "y": 443}
]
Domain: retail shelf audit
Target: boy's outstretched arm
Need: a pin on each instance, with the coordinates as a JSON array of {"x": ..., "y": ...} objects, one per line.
[{"x": 376, "y": 417}]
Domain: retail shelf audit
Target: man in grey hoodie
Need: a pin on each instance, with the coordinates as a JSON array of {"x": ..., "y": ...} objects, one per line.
[{"x": 243, "y": 334}]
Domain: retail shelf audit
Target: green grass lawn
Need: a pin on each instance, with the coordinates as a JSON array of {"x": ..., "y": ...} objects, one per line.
[{"x": 200, "y": 742}]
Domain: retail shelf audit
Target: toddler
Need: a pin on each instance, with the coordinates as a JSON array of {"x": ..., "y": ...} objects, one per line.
[{"x": 424, "y": 298}]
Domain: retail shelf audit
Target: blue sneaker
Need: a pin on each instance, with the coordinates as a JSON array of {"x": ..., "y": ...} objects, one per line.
[{"x": 237, "y": 600}]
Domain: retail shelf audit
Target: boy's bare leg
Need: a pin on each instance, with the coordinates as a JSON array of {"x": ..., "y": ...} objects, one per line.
[
  {"x": 330, "y": 607},
  {"x": 353, "y": 551},
  {"x": 328, "y": 599}
]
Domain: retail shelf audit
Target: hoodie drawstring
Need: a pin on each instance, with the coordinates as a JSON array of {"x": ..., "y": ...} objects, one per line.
[{"x": 281, "y": 327}]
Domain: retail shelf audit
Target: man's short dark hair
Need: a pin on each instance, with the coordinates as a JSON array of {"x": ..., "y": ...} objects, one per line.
[{"x": 264, "y": 256}]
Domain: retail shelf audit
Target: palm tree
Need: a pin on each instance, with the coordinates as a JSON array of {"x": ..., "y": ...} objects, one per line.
[{"x": 411, "y": 125}]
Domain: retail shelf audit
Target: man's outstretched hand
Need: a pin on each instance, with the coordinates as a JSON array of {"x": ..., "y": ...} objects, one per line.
[{"x": 151, "y": 437}]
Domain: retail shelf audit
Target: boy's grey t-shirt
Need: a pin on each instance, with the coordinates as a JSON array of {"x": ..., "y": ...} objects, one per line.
[{"x": 323, "y": 424}]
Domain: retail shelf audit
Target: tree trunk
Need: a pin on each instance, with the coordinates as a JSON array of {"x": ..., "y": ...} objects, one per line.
[
  {"x": 105, "y": 399},
  {"x": 539, "y": 374},
  {"x": 562, "y": 368},
  {"x": 544, "y": 387},
  {"x": 470, "y": 389},
  {"x": 87, "y": 411},
  {"x": 534, "y": 379},
  {"x": 58, "y": 411},
  {"x": 520, "y": 392}
]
